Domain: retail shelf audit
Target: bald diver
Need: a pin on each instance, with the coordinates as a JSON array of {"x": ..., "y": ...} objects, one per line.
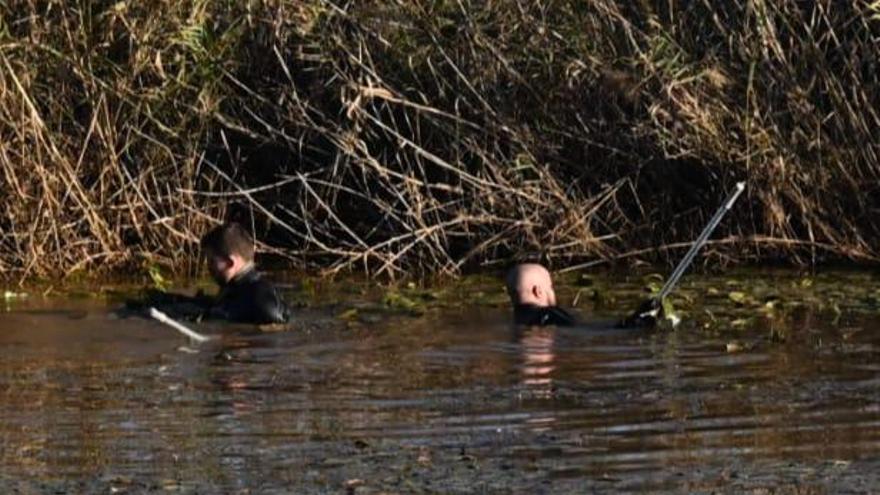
[
  {"x": 530, "y": 285},
  {"x": 530, "y": 288}
]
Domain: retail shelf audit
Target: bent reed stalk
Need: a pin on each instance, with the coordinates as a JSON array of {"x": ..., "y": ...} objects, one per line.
[{"x": 410, "y": 137}]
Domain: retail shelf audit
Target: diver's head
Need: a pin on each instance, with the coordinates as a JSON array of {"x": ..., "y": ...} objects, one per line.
[
  {"x": 530, "y": 283},
  {"x": 229, "y": 250}
]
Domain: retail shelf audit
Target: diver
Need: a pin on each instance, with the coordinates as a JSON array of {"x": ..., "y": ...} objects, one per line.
[
  {"x": 245, "y": 296},
  {"x": 530, "y": 288}
]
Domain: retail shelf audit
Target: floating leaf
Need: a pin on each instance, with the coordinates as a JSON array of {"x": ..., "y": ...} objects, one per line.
[
  {"x": 350, "y": 314},
  {"x": 652, "y": 288},
  {"x": 396, "y": 300},
  {"x": 737, "y": 297},
  {"x": 668, "y": 309}
]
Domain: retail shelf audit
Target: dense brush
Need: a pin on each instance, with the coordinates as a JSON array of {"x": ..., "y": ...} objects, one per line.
[{"x": 427, "y": 136}]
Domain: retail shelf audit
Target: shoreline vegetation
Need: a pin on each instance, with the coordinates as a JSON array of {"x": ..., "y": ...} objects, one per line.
[{"x": 400, "y": 138}]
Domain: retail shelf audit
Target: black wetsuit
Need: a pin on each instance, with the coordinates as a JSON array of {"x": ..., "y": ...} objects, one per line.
[
  {"x": 531, "y": 315},
  {"x": 248, "y": 298}
]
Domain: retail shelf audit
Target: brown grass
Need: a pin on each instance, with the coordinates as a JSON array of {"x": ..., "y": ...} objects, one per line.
[{"x": 410, "y": 137}]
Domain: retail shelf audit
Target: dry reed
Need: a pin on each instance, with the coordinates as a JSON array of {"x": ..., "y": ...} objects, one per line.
[{"x": 414, "y": 137}]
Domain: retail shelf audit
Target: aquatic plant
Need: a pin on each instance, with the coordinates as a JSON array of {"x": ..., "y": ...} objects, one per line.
[{"x": 425, "y": 137}]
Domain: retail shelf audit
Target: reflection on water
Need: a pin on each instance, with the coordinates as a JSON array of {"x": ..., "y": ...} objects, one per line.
[
  {"x": 538, "y": 359},
  {"x": 459, "y": 405}
]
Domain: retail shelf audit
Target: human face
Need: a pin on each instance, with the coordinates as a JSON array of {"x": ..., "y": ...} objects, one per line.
[{"x": 221, "y": 267}]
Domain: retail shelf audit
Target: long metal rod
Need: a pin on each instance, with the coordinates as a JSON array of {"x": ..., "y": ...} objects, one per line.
[
  {"x": 701, "y": 240},
  {"x": 180, "y": 327}
]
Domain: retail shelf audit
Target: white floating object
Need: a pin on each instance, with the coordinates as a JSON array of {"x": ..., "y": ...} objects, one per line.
[{"x": 163, "y": 318}]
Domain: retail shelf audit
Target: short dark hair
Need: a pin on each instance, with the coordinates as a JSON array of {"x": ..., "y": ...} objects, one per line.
[{"x": 228, "y": 239}]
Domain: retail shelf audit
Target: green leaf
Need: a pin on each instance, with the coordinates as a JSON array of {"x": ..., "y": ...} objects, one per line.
[
  {"x": 398, "y": 301},
  {"x": 668, "y": 309},
  {"x": 159, "y": 282},
  {"x": 737, "y": 297},
  {"x": 350, "y": 314}
]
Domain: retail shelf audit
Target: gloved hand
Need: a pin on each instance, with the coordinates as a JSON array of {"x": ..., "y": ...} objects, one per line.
[
  {"x": 645, "y": 316},
  {"x": 177, "y": 306}
]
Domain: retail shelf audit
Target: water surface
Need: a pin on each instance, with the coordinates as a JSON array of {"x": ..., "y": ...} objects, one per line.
[{"x": 453, "y": 401}]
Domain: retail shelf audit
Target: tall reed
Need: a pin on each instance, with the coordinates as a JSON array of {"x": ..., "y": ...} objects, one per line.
[{"x": 418, "y": 137}]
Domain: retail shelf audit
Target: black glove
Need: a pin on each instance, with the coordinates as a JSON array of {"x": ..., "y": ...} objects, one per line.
[
  {"x": 177, "y": 306},
  {"x": 645, "y": 316}
]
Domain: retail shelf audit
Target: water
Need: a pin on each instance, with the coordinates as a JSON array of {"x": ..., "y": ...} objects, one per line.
[{"x": 452, "y": 402}]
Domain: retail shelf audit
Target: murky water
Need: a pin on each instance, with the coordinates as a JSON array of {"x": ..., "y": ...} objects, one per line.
[{"x": 452, "y": 402}]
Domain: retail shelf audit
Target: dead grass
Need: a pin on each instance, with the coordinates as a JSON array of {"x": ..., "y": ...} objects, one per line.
[{"x": 410, "y": 138}]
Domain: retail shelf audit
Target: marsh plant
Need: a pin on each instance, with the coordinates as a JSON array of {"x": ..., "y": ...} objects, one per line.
[{"x": 430, "y": 136}]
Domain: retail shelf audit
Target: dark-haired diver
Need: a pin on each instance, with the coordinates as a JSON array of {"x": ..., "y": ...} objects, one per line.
[
  {"x": 530, "y": 288},
  {"x": 245, "y": 297}
]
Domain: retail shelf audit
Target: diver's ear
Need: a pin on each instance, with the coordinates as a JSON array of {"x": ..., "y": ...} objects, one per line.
[
  {"x": 537, "y": 291},
  {"x": 227, "y": 260},
  {"x": 236, "y": 261}
]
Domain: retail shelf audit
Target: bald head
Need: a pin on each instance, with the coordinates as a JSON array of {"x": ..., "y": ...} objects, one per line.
[{"x": 530, "y": 283}]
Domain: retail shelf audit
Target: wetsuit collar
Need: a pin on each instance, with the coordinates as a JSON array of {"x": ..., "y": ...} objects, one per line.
[{"x": 531, "y": 314}]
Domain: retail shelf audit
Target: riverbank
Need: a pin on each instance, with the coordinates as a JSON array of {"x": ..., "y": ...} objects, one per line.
[{"x": 410, "y": 140}]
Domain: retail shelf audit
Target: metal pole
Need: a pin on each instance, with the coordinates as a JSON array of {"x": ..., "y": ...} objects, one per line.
[{"x": 701, "y": 240}]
